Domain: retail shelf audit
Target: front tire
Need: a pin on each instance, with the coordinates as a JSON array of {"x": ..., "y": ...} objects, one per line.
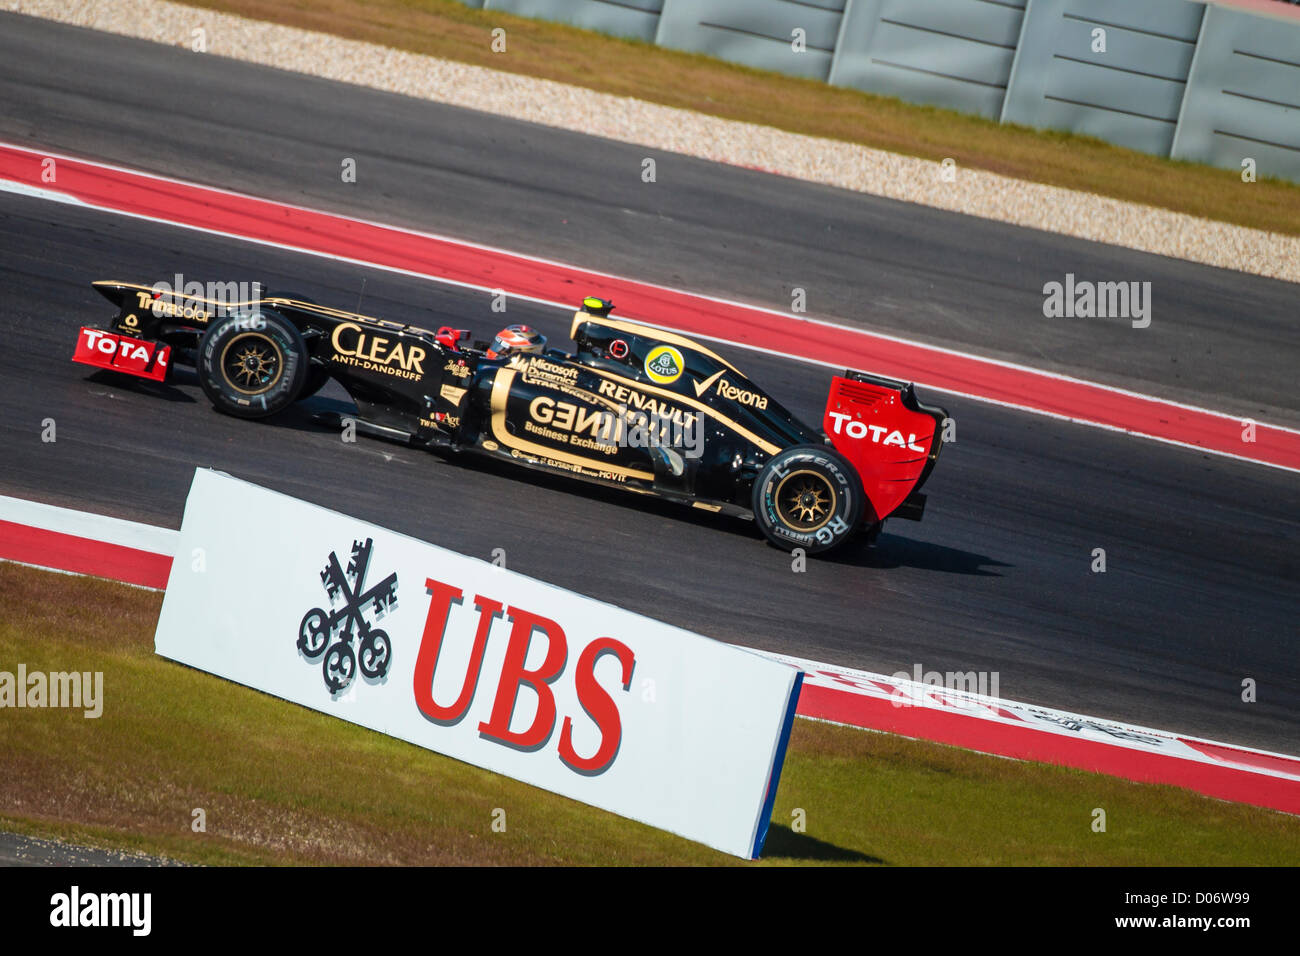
[
  {"x": 810, "y": 497},
  {"x": 253, "y": 364},
  {"x": 318, "y": 376}
]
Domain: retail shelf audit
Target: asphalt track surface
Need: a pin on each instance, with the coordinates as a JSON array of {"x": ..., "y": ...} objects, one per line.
[
  {"x": 1203, "y": 564},
  {"x": 19, "y": 850},
  {"x": 1199, "y": 591},
  {"x": 1217, "y": 338}
]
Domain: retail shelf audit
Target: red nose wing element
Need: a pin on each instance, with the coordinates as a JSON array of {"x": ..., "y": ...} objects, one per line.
[{"x": 122, "y": 353}]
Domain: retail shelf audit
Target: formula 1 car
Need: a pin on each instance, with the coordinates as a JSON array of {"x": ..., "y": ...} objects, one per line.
[{"x": 633, "y": 406}]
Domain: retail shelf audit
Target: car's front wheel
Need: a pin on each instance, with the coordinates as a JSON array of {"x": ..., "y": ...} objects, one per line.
[
  {"x": 810, "y": 497},
  {"x": 252, "y": 364}
]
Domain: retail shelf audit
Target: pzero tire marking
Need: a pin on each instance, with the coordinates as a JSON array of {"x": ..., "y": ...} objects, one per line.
[
  {"x": 252, "y": 364},
  {"x": 810, "y": 497}
]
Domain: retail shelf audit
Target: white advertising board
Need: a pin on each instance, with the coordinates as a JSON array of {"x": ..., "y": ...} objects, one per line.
[{"x": 479, "y": 663}]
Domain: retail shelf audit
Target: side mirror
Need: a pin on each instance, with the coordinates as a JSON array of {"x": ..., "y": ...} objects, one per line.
[{"x": 451, "y": 338}]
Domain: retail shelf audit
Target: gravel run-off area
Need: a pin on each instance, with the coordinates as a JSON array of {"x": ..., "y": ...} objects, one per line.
[{"x": 829, "y": 162}]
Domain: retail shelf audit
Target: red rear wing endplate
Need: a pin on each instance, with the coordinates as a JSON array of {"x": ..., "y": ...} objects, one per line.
[{"x": 890, "y": 439}]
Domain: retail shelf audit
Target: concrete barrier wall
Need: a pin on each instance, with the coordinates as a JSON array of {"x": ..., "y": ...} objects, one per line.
[
  {"x": 952, "y": 53},
  {"x": 625, "y": 18},
  {"x": 1171, "y": 77},
  {"x": 1106, "y": 68},
  {"x": 758, "y": 33},
  {"x": 1243, "y": 96}
]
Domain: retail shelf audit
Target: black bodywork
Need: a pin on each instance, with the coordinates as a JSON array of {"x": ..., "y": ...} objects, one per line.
[{"x": 698, "y": 430}]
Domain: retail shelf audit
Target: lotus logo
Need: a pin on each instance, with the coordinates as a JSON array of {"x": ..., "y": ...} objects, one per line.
[
  {"x": 664, "y": 364},
  {"x": 333, "y": 633}
]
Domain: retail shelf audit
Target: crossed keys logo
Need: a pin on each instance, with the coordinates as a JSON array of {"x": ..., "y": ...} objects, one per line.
[{"x": 347, "y": 622}]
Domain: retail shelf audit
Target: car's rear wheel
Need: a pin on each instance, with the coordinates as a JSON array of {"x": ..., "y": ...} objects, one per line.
[
  {"x": 810, "y": 497},
  {"x": 252, "y": 364}
]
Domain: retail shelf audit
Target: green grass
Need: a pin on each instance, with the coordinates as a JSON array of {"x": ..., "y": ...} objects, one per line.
[
  {"x": 283, "y": 784},
  {"x": 448, "y": 29}
]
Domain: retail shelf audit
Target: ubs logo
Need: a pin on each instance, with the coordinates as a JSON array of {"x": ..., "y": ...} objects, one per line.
[{"x": 333, "y": 633}]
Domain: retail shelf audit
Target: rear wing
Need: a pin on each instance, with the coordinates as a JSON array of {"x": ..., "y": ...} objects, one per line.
[{"x": 889, "y": 436}]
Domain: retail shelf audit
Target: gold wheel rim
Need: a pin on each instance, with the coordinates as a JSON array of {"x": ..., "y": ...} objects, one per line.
[
  {"x": 252, "y": 363},
  {"x": 805, "y": 500}
]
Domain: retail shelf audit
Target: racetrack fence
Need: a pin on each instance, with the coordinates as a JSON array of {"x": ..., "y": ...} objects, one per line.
[{"x": 1180, "y": 78}]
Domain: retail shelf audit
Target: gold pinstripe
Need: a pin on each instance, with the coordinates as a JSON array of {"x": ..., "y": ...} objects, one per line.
[
  {"x": 735, "y": 426},
  {"x": 278, "y": 300},
  {"x": 634, "y": 329}
]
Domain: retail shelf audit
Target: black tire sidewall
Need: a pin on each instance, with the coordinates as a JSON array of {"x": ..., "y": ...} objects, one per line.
[
  {"x": 293, "y": 373},
  {"x": 846, "y": 515}
]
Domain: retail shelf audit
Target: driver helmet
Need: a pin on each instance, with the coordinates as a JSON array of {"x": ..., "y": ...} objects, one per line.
[{"x": 516, "y": 338}]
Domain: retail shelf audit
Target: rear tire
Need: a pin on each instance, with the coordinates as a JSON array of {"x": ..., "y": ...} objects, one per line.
[
  {"x": 810, "y": 497},
  {"x": 252, "y": 364}
]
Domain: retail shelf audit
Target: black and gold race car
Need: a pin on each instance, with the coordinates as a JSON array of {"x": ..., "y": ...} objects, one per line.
[{"x": 632, "y": 406}]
